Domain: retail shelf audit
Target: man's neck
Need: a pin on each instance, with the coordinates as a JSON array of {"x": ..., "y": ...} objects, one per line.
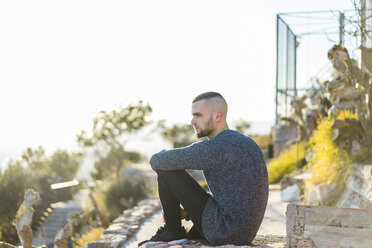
[{"x": 219, "y": 130}]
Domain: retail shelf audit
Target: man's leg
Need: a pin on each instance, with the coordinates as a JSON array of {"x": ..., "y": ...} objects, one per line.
[{"x": 177, "y": 187}]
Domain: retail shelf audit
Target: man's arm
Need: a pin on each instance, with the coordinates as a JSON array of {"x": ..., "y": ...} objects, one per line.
[{"x": 201, "y": 155}]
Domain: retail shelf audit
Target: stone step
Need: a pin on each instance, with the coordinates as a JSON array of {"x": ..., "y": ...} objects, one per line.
[{"x": 56, "y": 220}]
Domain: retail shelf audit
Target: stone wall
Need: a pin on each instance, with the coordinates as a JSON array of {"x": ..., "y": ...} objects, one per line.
[
  {"x": 126, "y": 225},
  {"x": 284, "y": 136},
  {"x": 358, "y": 193},
  {"x": 56, "y": 220}
]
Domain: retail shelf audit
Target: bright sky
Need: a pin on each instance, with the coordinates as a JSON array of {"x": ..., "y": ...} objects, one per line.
[{"x": 61, "y": 62}]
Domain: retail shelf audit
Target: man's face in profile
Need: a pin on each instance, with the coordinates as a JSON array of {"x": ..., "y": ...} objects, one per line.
[{"x": 202, "y": 119}]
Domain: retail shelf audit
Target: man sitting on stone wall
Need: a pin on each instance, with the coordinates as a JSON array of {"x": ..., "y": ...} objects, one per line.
[{"x": 236, "y": 173}]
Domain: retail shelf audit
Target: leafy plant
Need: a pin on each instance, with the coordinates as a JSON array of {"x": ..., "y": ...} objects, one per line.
[
  {"x": 242, "y": 126},
  {"x": 34, "y": 170},
  {"x": 363, "y": 156},
  {"x": 263, "y": 141},
  {"x": 352, "y": 90},
  {"x": 123, "y": 194},
  {"x": 287, "y": 162},
  {"x": 111, "y": 130},
  {"x": 89, "y": 236},
  {"x": 179, "y": 135},
  {"x": 13, "y": 182},
  {"x": 330, "y": 165},
  {"x": 114, "y": 161}
]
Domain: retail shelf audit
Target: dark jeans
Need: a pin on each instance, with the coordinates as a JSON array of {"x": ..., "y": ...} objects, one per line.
[{"x": 178, "y": 187}]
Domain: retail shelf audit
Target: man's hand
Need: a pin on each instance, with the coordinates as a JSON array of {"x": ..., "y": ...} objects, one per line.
[{"x": 183, "y": 214}]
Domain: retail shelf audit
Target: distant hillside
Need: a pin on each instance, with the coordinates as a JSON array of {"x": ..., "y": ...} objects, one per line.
[
  {"x": 142, "y": 143},
  {"x": 7, "y": 153}
]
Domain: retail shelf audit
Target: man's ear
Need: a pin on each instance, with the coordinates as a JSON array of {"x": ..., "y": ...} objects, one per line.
[{"x": 219, "y": 116}]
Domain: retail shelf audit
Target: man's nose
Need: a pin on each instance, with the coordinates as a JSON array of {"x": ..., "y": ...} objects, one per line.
[{"x": 193, "y": 121}]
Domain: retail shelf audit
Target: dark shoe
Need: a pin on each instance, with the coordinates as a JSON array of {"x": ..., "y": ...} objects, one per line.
[
  {"x": 193, "y": 233},
  {"x": 165, "y": 235}
]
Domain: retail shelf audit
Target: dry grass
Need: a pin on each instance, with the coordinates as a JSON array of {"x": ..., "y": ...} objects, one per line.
[{"x": 89, "y": 236}]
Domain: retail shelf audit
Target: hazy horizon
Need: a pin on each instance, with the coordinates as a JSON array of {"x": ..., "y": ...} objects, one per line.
[
  {"x": 63, "y": 62},
  {"x": 138, "y": 142}
]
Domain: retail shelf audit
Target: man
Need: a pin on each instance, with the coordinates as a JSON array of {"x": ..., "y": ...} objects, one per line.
[{"x": 236, "y": 173}]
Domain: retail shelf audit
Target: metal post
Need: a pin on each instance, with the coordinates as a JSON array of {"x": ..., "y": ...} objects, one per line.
[
  {"x": 369, "y": 24},
  {"x": 277, "y": 69},
  {"x": 295, "y": 64},
  {"x": 286, "y": 71},
  {"x": 342, "y": 28}
]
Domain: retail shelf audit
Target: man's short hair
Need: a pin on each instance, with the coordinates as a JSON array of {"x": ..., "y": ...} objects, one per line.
[{"x": 208, "y": 95}]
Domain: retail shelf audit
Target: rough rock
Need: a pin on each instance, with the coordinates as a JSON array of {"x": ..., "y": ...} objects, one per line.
[
  {"x": 261, "y": 241},
  {"x": 291, "y": 185},
  {"x": 56, "y": 220},
  {"x": 317, "y": 194},
  {"x": 358, "y": 193},
  {"x": 290, "y": 194},
  {"x": 283, "y": 135},
  {"x": 126, "y": 225}
]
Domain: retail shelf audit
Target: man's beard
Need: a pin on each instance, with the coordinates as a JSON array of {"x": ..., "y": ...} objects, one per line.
[{"x": 206, "y": 131}]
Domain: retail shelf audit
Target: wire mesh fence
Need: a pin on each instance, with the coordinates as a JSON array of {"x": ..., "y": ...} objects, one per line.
[{"x": 303, "y": 41}]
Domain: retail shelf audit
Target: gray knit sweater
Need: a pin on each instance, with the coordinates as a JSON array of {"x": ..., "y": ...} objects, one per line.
[{"x": 236, "y": 174}]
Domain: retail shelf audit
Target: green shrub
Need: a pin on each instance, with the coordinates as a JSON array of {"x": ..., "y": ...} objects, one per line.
[
  {"x": 330, "y": 164},
  {"x": 13, "y": 183},
  {"x": 89, "y": 236},
  {"x": 287, "y": 162},
  {"x": 349, "y": 133},
  {"x": 123, "y": 194},
  {"x": 363, "y": 156},
  {"x": 262, "y": 141},
  {"x": 37, "y": 171}
]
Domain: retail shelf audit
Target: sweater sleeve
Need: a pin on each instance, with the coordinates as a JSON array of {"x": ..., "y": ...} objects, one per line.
[{"x": 201, "y": 155}]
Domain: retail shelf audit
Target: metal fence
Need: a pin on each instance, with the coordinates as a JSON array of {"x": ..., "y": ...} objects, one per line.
[
  {"x": 286, "y": 67},
  {"x": 303, "y": 40}
]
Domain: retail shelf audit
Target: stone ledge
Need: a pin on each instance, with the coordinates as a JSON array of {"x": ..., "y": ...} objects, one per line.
[
  {"x": 126, "y": 225},
  {"x": 261, "y": 241}
]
